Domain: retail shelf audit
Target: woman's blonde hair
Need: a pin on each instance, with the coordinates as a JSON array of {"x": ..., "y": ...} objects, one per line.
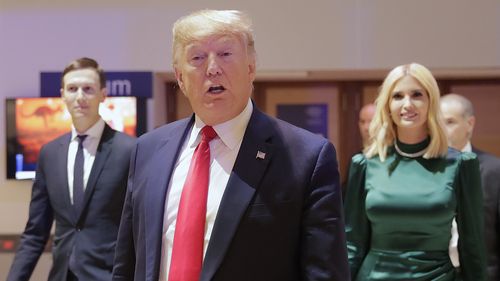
[
  {"x": 383, "y": 131},
  {"x": 214, "y": 22}
]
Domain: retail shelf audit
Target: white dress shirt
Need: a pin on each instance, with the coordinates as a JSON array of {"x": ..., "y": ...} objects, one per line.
[
  {"x": 223, "y": 152},
  {"x": 90, "y": 144}
]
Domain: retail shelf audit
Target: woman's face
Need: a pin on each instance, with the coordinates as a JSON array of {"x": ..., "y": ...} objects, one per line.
[{"x": 409, "y": 105}]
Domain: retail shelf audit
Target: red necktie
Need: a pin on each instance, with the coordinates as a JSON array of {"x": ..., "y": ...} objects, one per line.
[{"x": 187, "y": 251}]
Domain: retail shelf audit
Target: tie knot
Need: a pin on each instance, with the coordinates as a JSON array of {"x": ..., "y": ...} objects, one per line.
[
  {"x": 81, "y": 138},
  {"x": 208, "y": 133}
]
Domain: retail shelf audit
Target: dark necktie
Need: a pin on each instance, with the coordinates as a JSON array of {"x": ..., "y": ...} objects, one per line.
[
  {"x": 78, "y": 182},
  {"x": 187, "y": 251}
]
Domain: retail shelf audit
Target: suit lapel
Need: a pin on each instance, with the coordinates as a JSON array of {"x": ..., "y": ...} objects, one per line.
[
  {"x": 103, "y": 150},
  {"x": 162, "y": 163},
  {"x": 480, "y": 155},
  {"x": 252, "y": 161},
  {"x": 62, "y": 165}
]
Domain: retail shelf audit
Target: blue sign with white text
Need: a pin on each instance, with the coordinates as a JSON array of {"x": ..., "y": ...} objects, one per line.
[
  {"x": 312, "y": 117},
  {"x": 118, "y": 84}
]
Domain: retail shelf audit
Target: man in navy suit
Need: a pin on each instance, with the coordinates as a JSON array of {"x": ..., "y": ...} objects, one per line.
[
  {"x": 274, "y": 209},
  {"x": 85, "y": 202},
  {"x": 459, "y": 119}
]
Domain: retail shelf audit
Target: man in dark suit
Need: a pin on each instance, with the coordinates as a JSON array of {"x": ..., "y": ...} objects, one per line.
[
  {"x": 273, "y": 209},
  {"x": 459, "y": 120},
  {"x": 79, "y": 184}
]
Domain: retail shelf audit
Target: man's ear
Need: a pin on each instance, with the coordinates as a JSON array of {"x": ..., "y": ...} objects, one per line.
[
  {"x": 62, "y": 92},
  {"x": 179, "y": 78},
  {"x": 104, "y": 92},
  {"x": 471, "y": 121},
  {"x": 252, "y": 68}
]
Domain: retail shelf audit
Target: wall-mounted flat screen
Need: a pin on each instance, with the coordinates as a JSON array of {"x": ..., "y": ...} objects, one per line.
[{"x": 32, "y": 122}]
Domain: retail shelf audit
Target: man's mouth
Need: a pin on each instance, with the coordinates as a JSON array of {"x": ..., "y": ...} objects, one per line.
[
  {"x": 81, "y": 107},
  {"x": 216, "y": 89}
]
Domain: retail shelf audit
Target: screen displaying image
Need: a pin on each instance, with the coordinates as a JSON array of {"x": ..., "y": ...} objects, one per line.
[{"x": 32, "y": 122}]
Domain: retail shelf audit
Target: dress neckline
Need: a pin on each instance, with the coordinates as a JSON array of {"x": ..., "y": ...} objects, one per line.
[{"x": 412, "y": 150}]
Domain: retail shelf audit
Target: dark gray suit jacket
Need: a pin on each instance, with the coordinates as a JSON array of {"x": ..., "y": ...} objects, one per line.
[
  {"x": 280, "y": 217},
  {"x": 490, "y": 178},
  {"x": 84, "y": 242}
]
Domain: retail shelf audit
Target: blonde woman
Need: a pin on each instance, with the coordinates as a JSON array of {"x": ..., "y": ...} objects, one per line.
[{"x": 406, "y": 188}]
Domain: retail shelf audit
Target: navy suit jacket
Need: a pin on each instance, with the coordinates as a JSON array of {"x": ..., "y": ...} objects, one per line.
[
  {"x": 490, "y": 180},
  {"x": 83, "y": 242},
  {"x": 280, "y": 217}
]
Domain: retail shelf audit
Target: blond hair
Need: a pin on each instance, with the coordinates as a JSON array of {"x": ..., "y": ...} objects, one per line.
[
  {"x": 383, "y": 131},
  {"x": 205, "y": 23}
]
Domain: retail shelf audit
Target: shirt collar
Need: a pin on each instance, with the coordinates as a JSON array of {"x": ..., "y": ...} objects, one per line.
[
  {"x": 230, "y": 132},
  {"x": 467, "y": 147},
  {"x": 94, "y": 132}
]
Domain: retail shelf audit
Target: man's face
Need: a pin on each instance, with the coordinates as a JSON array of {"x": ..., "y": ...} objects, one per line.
[
  {"x": 82, "y": 94},
  {"x": 458, "y": 126},
  {"x": 216, "y": 75},
  {"x": 365, "y": 118}
]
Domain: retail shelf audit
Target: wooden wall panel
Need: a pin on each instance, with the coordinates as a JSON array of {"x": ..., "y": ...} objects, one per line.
[
  {"x": 307, "y": 94},
  {"x": 370, "y": 92}
]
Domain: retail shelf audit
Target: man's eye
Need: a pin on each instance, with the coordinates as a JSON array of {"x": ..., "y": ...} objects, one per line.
[
  {"x": 88, "y": 90},
  {"x": 197, "y": 58},
  {"x": 225, "y": 54},
  {"x": 71, "y": 89}
]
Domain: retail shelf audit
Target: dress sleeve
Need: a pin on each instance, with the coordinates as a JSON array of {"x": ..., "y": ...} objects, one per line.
[
  {"x": 358, "y": 229},
  {"x": 470, "y": 219}
]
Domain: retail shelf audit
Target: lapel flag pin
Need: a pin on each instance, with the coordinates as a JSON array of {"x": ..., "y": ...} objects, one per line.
[{"x": 260, "y": 155}]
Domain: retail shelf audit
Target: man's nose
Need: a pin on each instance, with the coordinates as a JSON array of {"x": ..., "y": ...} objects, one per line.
[
  {"x": 80, "y": 94},
  {"x": 213, "y": 68}
]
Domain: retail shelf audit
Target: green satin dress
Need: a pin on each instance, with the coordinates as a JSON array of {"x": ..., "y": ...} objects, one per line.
[{"x": 399, "y": 214}]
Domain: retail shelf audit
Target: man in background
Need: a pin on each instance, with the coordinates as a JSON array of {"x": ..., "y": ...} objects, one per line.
[
  {"x": 229, "y": 193},
  {"x": 459, "y": 119},
  {"x": 365, "y": 118},
  {"x": 80, "y": 183}
]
